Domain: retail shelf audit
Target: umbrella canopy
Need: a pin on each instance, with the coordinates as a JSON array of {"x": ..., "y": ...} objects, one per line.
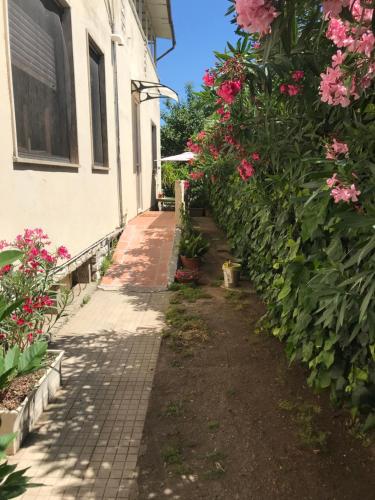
[{"x": 187, "y": 156}]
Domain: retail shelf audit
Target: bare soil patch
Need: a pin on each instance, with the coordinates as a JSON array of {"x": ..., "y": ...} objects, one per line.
[{"x": 229, "y": 419}]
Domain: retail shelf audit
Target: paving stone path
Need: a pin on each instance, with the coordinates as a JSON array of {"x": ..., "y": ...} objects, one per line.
[{"x": 87, "y": 443}]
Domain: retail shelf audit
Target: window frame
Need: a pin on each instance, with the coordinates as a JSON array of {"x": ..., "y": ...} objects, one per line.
[
  {"x": 92, "y": 45},
  {"x": 45, "y": 160}
]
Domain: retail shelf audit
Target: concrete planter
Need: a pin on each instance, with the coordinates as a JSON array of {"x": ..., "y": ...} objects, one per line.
[{"x": 23, "y": 419}]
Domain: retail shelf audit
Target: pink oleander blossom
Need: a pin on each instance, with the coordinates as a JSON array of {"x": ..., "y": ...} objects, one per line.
[
  {"x": 196, "y": 176},
  {"x": 255, "y": 16},
  {"x": 246, "y": 170},
  {"x": 193, "y": 147},
  {"x": 209, "y": 79},
  {"x": 332, "y": 181},
  {"x": 186, "y": 185},
  {"x": 339, "y": 33},
  {"x": 298, "y": 75},
  {"x": 255, "y": 156},
  {"x": 345, "y": 194},
  {"x": 334, "y": 150},
  {"x": 332, "y": 8},
  {"x": 63, "y": 253},
  {"x": 229, "y": 90},
  {"x": 333, "y": 91}
]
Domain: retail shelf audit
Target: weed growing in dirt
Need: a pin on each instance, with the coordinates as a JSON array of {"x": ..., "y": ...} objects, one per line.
[
  {"x": 217, "y": 283},
  {"x": 216, "y": 460},
  {"x": 176, "y": 363},
  {"x": 174, "y": 409},
  {"x": 184, "y": 328},
  {"x": 239, "y": 299},
  {"x": 172, "y": 455},
  {"x": 86, "y": 299},
  {"x": 187, "y": 293},
  {"x": 213, "y": 425},
  {"x": 305, "y": 415}
]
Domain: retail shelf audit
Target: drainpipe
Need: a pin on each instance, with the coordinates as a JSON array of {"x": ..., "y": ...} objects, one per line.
[
  {"x": 173, "y": 33},
  {"x": 117, "y": 39},
  {"x": 117, "y": 124}
]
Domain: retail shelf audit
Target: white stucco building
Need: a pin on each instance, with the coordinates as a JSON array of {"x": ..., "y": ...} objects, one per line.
[{"x": 80, "y": 132}]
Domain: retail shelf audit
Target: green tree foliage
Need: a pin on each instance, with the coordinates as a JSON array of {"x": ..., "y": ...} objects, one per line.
[{"x": 182, "y": 120}]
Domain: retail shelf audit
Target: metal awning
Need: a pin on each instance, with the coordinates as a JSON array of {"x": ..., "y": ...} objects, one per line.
[
  {"x": 153, "y": 90},
  {"x": 187, "y": 156}
]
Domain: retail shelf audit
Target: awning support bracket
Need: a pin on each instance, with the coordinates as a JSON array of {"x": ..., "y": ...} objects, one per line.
[{"x": 152, "y": 90}]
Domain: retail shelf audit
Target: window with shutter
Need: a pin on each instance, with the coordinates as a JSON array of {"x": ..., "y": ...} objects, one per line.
[
  {"x": 42, "y": 73},
  {"x": 98, "y": 106}
]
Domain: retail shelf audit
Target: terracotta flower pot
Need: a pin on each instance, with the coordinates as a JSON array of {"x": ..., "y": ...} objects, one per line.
[
  {"x": 190, "y": 262},
  {"x": 186, "y": 276}
]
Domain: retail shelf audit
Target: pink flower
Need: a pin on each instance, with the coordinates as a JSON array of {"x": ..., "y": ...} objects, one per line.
[
  {"x": 335, "y": 149},
  {"x": 214, "y": 151},
  {"x": 255, "y": 16},
  {"x": 196, "y": 176},
  {"x": 194, "y": 148},
  {"x": 332, "y": 181},
  {"x": 283, "y": 88},
  {"x": 5, "y": 269},
  {"x": 201, "y": 135},
  {"x": 256, "y": 45},
  {"x": 209, "y": 79},
  {"x": 345, "y": 194},
  {"x": 246, "y": 170},
  {"x": 63, "y": 253},
  {"x": 332, "y": 8},
  {"x": 293, "y": 90},
  {"x": 186, "y": 185},
  {"x": 339, "y": 32},
  {"x": 255, "y": 156},
  {"x": 228, "y": 90},
  {"x": 366, "y": 44},
  {"x": 332, "y": 89},
  {"x": 338, "y": 59},
  {"x": 298, "y": 75}
]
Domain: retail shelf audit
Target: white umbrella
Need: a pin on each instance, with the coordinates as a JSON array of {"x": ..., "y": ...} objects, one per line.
[{"x": 187, "y": 156}]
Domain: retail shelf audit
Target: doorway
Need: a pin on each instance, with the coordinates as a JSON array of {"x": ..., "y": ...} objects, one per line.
[
  {"x": 137, "y": 152},
  {"x": 154, "y": 159}
]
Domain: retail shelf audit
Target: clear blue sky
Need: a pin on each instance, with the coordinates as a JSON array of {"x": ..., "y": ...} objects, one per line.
[{"x": 201, "y": 27}]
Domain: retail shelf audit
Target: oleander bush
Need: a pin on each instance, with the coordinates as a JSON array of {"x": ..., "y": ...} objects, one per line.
[{"x": 289, "y": 158}]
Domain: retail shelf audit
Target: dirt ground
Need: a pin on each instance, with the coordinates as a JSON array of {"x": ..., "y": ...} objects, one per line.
[{"x": 229, "y": 419}]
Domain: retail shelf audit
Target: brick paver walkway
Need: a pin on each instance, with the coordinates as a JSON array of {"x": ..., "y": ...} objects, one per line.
[
  {"x": 142, "y": 255},
  {"x": 87, "y": 443}
]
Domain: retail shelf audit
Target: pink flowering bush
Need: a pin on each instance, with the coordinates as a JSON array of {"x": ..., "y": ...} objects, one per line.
[
  {"x": 255, "y": 16},
  {"x": 30, "y": 283},
  {"x": 288, "y": 162}
]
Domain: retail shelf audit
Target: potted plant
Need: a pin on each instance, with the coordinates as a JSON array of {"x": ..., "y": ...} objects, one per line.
[
  {"x": 232, "y": 272},
  {"x": 192, "y": 247},
  {"x": 30, "y": 304},
  {"x": 186, "y": 276}
]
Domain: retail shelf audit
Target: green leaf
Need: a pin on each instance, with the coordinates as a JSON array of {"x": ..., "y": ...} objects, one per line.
[
  {"x": 31, "y": 358},
  {"x": 366, "y": 301},
  {"x": 370, "y": 423},
  {"x": 8, "y": 257}
]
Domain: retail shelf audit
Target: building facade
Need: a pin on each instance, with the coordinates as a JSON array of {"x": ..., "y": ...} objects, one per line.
[{"x": 80, "y": 133}]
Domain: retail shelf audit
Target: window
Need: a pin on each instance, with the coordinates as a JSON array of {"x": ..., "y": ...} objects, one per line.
[
  {"x": 43, "y": 79},
  {"x": 98, "y": 106}
]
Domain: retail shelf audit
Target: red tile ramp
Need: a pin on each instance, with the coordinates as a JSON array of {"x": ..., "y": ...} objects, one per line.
[{"x": 142, "y": 259}]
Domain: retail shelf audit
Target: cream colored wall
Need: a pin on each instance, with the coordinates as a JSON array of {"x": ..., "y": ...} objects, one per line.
[{"x": 76, "y": 208}]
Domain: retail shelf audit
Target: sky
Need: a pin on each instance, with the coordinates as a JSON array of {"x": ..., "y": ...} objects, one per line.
[{"x": 201, "y": 28}]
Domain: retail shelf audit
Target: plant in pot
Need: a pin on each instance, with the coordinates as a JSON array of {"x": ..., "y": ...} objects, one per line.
[
  {"x": 186, "y": 276},
  {"x": 192, "y": 247},
  {"x": 30, "y": 305}
]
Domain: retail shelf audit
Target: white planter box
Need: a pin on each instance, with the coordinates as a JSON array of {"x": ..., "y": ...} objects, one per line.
[{"x": 23, "y": 419}]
